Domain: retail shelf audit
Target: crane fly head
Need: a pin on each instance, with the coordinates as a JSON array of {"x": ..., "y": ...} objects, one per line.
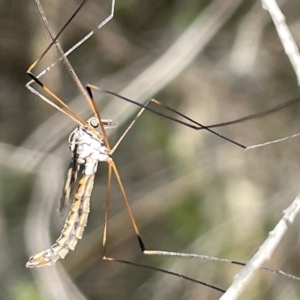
[{"x": 93, "y": 123}]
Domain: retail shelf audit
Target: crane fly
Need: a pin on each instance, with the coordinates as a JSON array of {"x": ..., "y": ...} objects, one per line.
[{"x": 89, "y": 145}]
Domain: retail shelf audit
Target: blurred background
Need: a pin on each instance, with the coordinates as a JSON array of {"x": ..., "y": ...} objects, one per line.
[{"x": 190, "y": 191}]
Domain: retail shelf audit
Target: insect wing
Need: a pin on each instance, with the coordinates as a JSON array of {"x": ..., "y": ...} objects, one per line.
[{"x": 70, "y": 180}]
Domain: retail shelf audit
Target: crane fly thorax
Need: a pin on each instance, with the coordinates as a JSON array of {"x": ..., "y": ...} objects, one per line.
[{"x": 89, "y": 148}]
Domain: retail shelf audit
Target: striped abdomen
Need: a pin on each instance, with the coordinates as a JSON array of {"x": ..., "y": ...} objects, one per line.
[{"x": 73, "y": 228}]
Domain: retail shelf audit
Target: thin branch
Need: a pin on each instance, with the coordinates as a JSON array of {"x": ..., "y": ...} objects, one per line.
[
  {"x": 287, "y": 40},
  {"x": 266, "y": 249},
  {"x": 264, "y": 252}
]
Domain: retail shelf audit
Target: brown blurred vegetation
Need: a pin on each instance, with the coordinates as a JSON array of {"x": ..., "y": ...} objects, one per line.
[{"x": 190, "y": 191}]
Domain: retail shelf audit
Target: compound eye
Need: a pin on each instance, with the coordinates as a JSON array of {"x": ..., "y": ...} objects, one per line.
[{"x": 93, "y": 122}]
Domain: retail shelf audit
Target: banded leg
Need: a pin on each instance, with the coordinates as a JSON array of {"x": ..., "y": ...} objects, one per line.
[
  {"x": 79, "y": 43},
  {"x": 113, "y": 169},
  {"x": 189, "y": 121},
  {"x": 64, "y": 108}
]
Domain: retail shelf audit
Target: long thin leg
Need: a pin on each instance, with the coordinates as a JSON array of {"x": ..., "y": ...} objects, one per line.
[
  {"x": 107, "y": 199},
  {"x": 133, "y": 223},
  {"x": 128, "y": 128},
  {"x": 137, "y": 233},
  {"x": 247, "y": 118},
  {"x": 239, "y": 120},
  {"x": 112, "y": 167},
  {"x": 47, "y": 25},
  {"x": 195, "y": 125},
  {"x": 67, "y": 110},
  {"x": 70, "y": 70},
  {"x": 59, "y": 48},
  {"x": 65, "y": 60},
  {"x": 198, "y": 126},
  {"x": 90, "y": 34}
]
